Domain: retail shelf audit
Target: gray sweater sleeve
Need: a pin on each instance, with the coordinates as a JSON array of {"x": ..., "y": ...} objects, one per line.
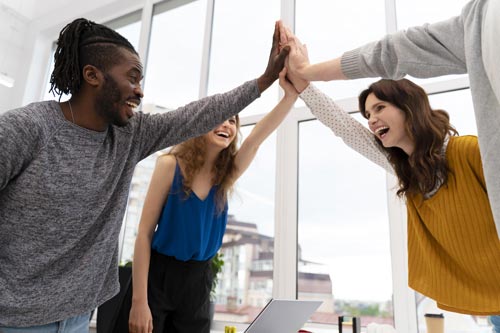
[
  {"x": 19, "y": 141},
  {"x": 426, "y": 51},
  {"x": 159, "y": 131}
]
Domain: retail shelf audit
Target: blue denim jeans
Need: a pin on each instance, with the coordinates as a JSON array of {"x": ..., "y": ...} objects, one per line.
[
  {"x": 77, "y": 324},
  {"x": 495, "y": 322}
]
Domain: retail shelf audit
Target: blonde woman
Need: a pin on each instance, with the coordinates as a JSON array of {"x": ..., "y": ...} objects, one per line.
[{"x": 187, "y": 205}]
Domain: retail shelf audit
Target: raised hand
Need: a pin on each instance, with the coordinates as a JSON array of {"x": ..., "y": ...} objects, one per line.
[
  {"x": 276, "y": 61},
  {"x": 287, "y": 86},
  {"x": 297, "y": 59}
]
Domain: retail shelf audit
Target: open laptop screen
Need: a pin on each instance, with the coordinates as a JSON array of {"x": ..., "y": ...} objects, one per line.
[{"x": 283, "y": 316}]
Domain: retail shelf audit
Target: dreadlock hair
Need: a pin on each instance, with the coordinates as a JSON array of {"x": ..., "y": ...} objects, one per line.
[
  {"x": 426, "y": 167},
  {"x": 83, "y": 42},
  {"x": 192, "y": 154}
]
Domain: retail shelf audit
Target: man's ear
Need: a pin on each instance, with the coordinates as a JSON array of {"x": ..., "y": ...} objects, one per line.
[{"x": 92, "y": 75}]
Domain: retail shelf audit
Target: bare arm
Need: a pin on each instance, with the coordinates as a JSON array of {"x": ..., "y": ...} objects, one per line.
[
  {"x": 265, "y": 126},
  {"x": 140, "y": 320},
  {"x": 323, "y": 71}
]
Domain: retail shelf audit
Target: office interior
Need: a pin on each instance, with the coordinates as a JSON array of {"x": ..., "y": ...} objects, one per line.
[{"x": 310, "y": 219}]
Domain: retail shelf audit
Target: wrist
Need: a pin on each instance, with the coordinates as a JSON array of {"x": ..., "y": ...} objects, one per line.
[
  {"x": 139, "y": 300},
  {"x": 303, "y": 72},
  {"x": 301, "y": 86},
  {"x": 291, "y": 97},
  {"x": 264, "y": 82}
]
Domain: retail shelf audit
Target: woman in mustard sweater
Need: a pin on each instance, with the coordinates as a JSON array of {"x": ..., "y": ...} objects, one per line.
[{"x": 453, "y": 248}]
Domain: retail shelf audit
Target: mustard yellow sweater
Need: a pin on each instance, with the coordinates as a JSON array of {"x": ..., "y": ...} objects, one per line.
[{"x": 453, "y": 248}]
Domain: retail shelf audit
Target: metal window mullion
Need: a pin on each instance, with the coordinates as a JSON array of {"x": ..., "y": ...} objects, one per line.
[
  {"x": 286, "y": 201},
  {"x": 146, "y": 23},
  {"x": 207, "y": 45},
  {"x": 286, "y": 194},
  {"x": 405, "y": 308},
  {"x": 391, "y": 21}
]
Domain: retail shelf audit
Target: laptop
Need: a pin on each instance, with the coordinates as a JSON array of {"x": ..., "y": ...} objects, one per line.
[{"x": 283, "y": 316}]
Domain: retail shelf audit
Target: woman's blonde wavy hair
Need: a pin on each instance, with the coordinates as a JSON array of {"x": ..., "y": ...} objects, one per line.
[{"x": 192, "y": 155}]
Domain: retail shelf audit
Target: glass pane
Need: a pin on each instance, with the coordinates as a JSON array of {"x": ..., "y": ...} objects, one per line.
[
  {"x": 411, "y": 13},
  {"x": 131, "y": 31},
  {"x": 241, "y": 41},
  {"x": 459, "y": 106},
  {"x": 246, "y": 282},
  {"x": 329, "y": 28},
  {"x": 137, "y": 193},
  {"x": 453, "y": 322},
  {"x": 343, "y": 240},
  {"x": 46, "y": 95},
  {"x": 175, "y": 52}
]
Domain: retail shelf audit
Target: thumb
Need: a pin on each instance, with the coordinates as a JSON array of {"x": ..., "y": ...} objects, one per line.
[
  {"x": 283, "y": 53},
  {"x": 283, "y": 72}
]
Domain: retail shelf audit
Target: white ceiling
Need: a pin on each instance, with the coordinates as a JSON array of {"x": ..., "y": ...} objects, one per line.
[{"x": 33, "y": 9}]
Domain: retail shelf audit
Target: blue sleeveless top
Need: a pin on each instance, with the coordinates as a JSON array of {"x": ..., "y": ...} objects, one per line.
[{"x": 189, "y": 228}]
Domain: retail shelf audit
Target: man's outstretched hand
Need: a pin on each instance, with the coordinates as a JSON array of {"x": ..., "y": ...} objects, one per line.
[{"x": 276, "y": 61}]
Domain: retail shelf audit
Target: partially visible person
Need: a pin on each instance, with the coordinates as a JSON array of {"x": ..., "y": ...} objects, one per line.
[
  {"x": 66, "y": 169},
  {"x": 453, "y": 249},
  {"x": 467, "y": 43},
  {"x": 183, "y": 222}
]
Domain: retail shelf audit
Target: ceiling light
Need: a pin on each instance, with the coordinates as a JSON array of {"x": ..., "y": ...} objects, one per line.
[{"x": 6, "y": 80}]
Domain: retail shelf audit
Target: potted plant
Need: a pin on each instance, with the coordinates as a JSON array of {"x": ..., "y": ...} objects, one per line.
[{"x": 217, "y": 263}]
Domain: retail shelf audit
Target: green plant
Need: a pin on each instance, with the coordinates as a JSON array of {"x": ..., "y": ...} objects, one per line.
[{"x": 217, "y": 263}]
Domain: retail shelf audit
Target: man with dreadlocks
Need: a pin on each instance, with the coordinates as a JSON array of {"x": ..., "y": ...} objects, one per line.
[{"x": 66, "y": 170}]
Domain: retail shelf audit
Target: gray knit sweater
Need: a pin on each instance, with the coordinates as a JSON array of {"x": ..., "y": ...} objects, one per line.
[
  {"x": 63, "y": 193},
  {"x": 462, "y": 44}
]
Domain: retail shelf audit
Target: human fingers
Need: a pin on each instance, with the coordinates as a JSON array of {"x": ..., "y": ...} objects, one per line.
[{"x": 282, "y": 30}]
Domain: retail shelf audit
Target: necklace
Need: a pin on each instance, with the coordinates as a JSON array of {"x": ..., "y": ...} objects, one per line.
[{"x": 71, "y": 110}]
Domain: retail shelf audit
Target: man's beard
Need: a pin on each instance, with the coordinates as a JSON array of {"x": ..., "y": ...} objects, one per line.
[{"x": 108, "y": 102}]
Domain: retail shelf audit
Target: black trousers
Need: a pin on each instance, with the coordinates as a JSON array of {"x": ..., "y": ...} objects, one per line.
[
  {"x": 179, "y": 294},
  {"x": 112, "y": 316}
]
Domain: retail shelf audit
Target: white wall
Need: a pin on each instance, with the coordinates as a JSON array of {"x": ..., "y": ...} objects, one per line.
[
  {"x": 26, "y": 42},
  {"x": 13, "y": 30}
]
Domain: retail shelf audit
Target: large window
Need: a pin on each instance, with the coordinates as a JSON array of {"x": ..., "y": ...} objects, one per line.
[
  {"x": 329, "y": 28},
  {"x": 241, "y": 42},
  {"x": 458, "y": 104},
  {"x": 343, "y": 230},
  {"x": 411, "y": 13},
  {"x": 246, "y": 280},
  {"x": 174, "y": 62},
  {"x": 172, "y": 79}
]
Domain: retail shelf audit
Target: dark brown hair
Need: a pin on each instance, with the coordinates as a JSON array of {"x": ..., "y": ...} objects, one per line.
[{"x": 426, "y": 167}]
